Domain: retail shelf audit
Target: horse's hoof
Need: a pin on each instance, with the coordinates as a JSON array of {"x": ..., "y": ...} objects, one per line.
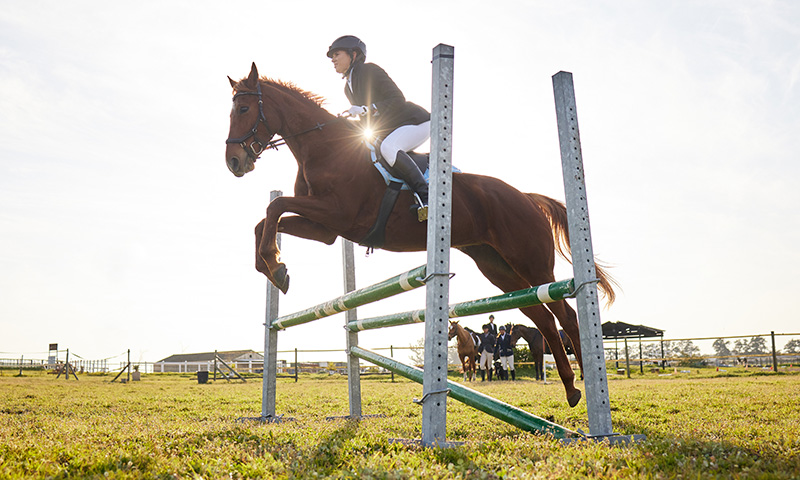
[
  {"x": 281, "y": 278},
  {"x": 574, "y": 398}
]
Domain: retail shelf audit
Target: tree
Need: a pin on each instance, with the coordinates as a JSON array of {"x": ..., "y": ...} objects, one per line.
[
  {"x": 757, "y": 345},
  {"x": 417, "y": 355},
  {"x": 792, "y": 346},
  {"x": 740, "y": 347},
  {"x": 686, "y": 349},
  {"x": 721, "y": 348},
  {"x": 653, "y": 349}
]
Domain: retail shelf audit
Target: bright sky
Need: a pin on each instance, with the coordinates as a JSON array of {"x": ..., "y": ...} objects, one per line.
[{"x": 121, "y": 227}]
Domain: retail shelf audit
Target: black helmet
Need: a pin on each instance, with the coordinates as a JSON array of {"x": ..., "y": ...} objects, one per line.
[{"x": 347, "y": 42}]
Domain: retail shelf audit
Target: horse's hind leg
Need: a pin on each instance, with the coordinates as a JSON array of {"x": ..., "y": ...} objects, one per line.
[{"x": 545, "y": 322}]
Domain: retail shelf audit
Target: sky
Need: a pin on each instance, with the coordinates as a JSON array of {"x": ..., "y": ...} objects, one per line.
[{"x": 121, "y": 227}]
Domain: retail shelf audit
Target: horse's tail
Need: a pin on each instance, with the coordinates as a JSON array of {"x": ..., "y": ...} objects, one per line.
[{"x": 556, "y": 212}]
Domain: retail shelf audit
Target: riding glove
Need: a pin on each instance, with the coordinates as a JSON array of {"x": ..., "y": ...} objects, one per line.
[{"x": 357, "y": 110}]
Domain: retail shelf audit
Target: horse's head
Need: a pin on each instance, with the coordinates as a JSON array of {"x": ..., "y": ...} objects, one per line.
[
  {"x": 516, "y": 333},
  {"x": 250, "y": 131},
  {"x": 453, "y": 330}
]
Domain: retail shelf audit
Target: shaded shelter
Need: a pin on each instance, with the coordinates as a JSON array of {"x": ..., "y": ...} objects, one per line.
[{"x": 617, "y": 330}]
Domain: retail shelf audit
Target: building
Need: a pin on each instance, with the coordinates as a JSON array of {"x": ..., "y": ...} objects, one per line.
[{"x": 243, "y": 361}]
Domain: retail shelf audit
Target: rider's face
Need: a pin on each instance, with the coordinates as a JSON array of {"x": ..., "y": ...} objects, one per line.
[{"x": 341, "y": 61}]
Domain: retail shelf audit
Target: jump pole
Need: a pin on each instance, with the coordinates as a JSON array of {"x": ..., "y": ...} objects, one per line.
[
  {"x": 550, "y": 292},
  {"x": 491, "y": 406}
]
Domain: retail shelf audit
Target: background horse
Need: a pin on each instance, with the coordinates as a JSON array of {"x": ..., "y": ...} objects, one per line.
[
  {"x": 512, "y": 236},
  {"x": 538, "y": 346},
  {"x": 467, "y": 342}
]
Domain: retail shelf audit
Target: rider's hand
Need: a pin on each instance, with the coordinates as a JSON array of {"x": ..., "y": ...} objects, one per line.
[{"x": 357, "y": 110}]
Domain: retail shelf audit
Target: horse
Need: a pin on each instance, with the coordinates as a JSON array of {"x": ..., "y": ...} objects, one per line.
[
  {"x": 511, "y": 236},
  {"x": 538, "y": 346},
  {"x": 467, "y": 342}
]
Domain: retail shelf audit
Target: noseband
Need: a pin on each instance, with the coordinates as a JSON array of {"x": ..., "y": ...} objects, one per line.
[{"x": 256, "y": 147}]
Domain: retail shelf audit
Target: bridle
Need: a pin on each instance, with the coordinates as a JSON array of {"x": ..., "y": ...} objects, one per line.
[{"x": 257, "y": 147}]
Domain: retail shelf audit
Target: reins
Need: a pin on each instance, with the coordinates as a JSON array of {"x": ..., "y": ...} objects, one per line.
[{"x": 256, "y": 147}]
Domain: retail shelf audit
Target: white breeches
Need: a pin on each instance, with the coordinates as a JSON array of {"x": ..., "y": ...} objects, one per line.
[
  {"x": 507, "y": 362},
  {"x": 486, "y": 360},
  {"x": 405, "y": 138}
]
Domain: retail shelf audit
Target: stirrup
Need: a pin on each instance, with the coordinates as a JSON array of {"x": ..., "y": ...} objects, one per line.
[
  {"x": 422, "y": 209},
  {"x": 422, "y": 213}
]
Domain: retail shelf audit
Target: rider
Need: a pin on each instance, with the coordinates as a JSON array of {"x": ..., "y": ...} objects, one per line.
[
  {"x": 402, "y": 125},
  {"x": 486, "y": 351},
  {"x": 505, "y": 350}
]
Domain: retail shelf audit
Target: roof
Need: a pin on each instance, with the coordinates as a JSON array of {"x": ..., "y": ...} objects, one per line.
[
  {"x": 228, "y": 356},
  {"x": 626, "y": 330}
]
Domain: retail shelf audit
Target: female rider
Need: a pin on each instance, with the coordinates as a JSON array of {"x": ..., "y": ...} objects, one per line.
[{"x": 375, "y": 98}]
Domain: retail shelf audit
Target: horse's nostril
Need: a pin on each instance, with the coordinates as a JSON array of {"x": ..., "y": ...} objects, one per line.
[{"x": 233, "y": 163}]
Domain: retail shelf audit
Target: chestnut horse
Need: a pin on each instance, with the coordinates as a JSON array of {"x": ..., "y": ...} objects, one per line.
[
  {"x": 538, "y": 346},
  {"x": 467, "y": 343},
  {"x": 511, "y": 236}
]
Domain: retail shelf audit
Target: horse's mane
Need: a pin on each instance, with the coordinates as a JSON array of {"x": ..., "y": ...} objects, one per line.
[
  {"x": 295, "y": 90},
  {"x": 288, "y": 87},
  {"x": 470, "y": 330}
]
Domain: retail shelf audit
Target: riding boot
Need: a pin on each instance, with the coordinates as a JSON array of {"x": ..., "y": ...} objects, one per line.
[
  {"x": 409, "y": 172},
  {"x": 483, "y": 376},
  {"x": 490, "y": 375},
  {"x": 513, "y": 375}
]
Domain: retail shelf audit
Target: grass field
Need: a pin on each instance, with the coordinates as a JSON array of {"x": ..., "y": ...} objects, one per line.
[{"x": 744, "y": 424}]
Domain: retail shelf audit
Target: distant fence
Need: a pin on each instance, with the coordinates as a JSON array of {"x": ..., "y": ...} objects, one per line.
[
  {"x": 760, "y": 350},
  {"x": 641, "y": 352}
]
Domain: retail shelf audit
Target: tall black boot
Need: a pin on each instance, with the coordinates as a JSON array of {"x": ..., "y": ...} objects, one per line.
[
  {"x": 513, "y": 375},
  {"x": 483, "y": 375},
  {"x": 490, "y": 375},
  {"x": 408, "y": 170}
]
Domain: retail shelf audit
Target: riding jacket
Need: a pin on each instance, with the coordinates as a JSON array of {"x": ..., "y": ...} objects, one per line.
[
  {"x": 503, "y": 346},
  {"x": 487, "y": 342},
  {"x": 369, "y": 85}
]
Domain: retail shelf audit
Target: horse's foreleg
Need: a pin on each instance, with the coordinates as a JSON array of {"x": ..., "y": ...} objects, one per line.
[
  {"x": 314, "y": 209},
  {"x": 472, "y": 367},
  {"x": 261, "y": 265},
  {"x": 305, "y": 228}
]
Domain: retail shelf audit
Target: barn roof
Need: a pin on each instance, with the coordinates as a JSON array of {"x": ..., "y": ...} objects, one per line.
[
  {"x": 228, "y": 356},
  {"x": 626, "y": 330}
]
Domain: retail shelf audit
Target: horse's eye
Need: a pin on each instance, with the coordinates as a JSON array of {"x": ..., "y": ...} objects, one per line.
[{"x": 243, "y": 110}]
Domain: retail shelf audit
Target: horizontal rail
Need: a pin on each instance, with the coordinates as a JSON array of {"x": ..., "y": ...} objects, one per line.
[
  {"x": 501, "y": 410},
  {"x": 550, "y": 292},
  {"x": 385, "y": 289}
]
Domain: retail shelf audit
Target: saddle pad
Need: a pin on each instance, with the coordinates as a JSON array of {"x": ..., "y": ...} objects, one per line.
[{"x": 388, "y": 177}]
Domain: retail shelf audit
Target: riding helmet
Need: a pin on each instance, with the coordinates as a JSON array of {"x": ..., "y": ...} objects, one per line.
[{"x": 349, "y": 43}]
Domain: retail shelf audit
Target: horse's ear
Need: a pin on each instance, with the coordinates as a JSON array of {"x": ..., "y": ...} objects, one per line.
[
  {"x": 253, "y": 77},
  {"x": 233, "y": 83}
]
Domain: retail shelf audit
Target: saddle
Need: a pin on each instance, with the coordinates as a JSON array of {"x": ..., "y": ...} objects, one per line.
[{"x": 376, "y": 236}]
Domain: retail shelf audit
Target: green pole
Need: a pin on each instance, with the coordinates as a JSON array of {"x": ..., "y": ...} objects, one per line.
[
  {"x": 501, "y": 410},
  {"x": 550, "y": 292},
  {"x": 385, "y": 289}
]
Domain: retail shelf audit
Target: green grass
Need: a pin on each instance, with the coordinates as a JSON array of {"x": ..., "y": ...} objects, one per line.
[{"x": 736, "y": 424}]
